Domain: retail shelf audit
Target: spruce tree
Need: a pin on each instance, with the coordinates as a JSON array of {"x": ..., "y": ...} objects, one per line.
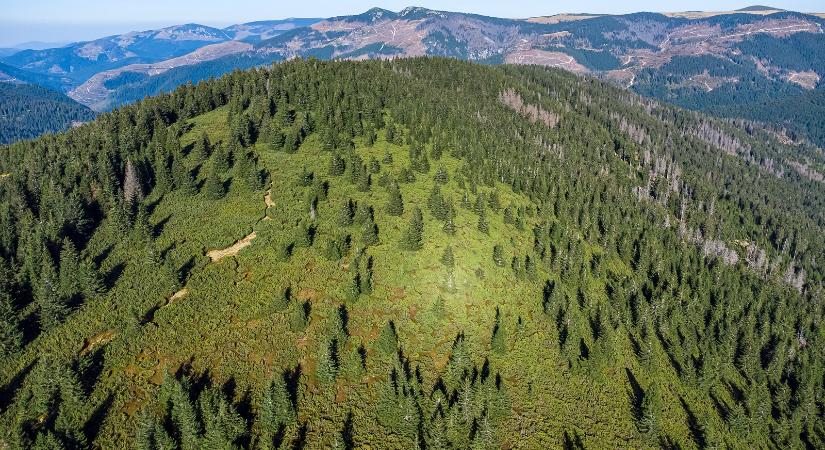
[
  {"x": 202, "y": 148},
  {"x": 390, "y": 134},
  {"x": 508, "y": 216},
  {"x": 437, "y": 204},
  {"x": 183, "y": 177},
  {"x": 374, "y": 165},
  {"x": 345, "y": 214},
  {"x": 151, "y": 434},
  {"x": 494, "y": 201},
  {"x": 213, "y": 188},
  {"x": 441, "y": 176},
  {"x": 369, "y": 235},
  {"x": 69, "y": 269},
  {"x": 447, "y": 259},
  {"x": 449, "y": 226},
  {"x": 53, "y": 307},
  {"x": 395, "y": 204},
  {"x": 174, "y": 395},
  {"x": 413, "y": 236},
  {"x": 220, "y": 159},
  {"x": 11, "y": 336},
  {"x": 163, "y": 175},
  {"x": 277, "y": 139},
  {"x": 222, "y": 425},
  {"x": 387, "y": 341},
  {"x": 483, "y": 226},
  {"x": 337, "y": 165},
  {"x": 363, "y": 214},
  {"x": 275, "y": 413},
  {"x": 498, "y": 255},
  {"x": 328, "y": 140}
]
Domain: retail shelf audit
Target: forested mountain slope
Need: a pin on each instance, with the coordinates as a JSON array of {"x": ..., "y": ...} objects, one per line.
[
  {"x": 410, "y": 253},
  {"x": 27, "y": 111}
]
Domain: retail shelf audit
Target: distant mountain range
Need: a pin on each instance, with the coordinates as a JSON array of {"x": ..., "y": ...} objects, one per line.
[{"x": 732, "y": 63}]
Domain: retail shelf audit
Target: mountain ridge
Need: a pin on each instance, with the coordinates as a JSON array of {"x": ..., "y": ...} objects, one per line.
[{"x": 658, "y": 50}]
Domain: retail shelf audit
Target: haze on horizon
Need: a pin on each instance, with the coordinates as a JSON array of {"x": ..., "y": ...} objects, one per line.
[{"x": 61, "y": 21}]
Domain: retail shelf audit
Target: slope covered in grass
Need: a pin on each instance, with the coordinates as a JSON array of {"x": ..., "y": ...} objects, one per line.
[{"x": 410, "y": 253}]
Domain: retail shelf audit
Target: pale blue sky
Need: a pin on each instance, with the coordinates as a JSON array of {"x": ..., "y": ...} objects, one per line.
[{"x": 74, "y": 20}]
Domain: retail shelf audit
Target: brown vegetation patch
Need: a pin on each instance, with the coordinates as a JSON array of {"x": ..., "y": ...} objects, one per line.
[
  {"x": 131, "y": 407},
  {"x": 513, "y": 100},
  {"x": 94, "y": 341},
  {"x": 396, "y": 294},
  {"x": 340, "y": 394},
  {"x": 307, "y": 294}
]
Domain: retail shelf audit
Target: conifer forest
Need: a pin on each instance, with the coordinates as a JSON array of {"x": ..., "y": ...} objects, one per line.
[{"x": 411, "y": 253}]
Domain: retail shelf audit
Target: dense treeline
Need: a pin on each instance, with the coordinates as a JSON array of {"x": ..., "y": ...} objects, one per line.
[
  {"x": 27, "y": 111},
  {"x": 743, "y": 90},
  {"x": 450, "y": 256}
]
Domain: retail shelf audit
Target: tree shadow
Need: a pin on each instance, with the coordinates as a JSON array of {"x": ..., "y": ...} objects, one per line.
[
  {"x": 636, "y": 395},
  {"x": 572, "y": 443},
  {"x": 292, "y": 378},
  {"x": 348, "y": 433},
  {"x": 9, "y": 390},
  {"x": 95, "y": 422},
  {"x": 695, "y": 428},
  {"x": 720, "y": 406},
  {"x": 158, "y": 228},
  {"x": 301, "y": 439},
  {"x": 89, "y": 368},
  {"x": 111, "y": 277},
  {"x": 30, "y": 326},
  {"x": 98, "y": 260}
]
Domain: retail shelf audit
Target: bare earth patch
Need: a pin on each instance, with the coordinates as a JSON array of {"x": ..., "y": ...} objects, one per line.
[
  {"x": 708, "y": 82},
  {"x": 545, "y": 58},
  {"x": 93, "y": 92},
  {"x": 178, "y": 295},
  {"x": 807, "y": 80},
  {"x": 218, "y": 254},
  {"x": 559, "y": 18}
]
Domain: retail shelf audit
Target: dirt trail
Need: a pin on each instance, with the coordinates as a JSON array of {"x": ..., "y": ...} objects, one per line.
[
  {"x": 232, "y": 250},
  {"x": 216, "y": 255}
]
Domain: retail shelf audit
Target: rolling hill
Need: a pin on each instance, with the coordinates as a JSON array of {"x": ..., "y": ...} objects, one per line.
[{"x": 410, "y": 253}]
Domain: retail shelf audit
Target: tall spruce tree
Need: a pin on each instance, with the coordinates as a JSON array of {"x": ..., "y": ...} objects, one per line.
[
  {"x": 413, "y": 236},
  {"x": 213, "y": 188},
  {"x": 395, "y": 204}
]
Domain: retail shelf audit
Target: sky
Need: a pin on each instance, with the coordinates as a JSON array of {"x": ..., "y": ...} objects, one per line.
[{"x": 62, "y": 21}]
